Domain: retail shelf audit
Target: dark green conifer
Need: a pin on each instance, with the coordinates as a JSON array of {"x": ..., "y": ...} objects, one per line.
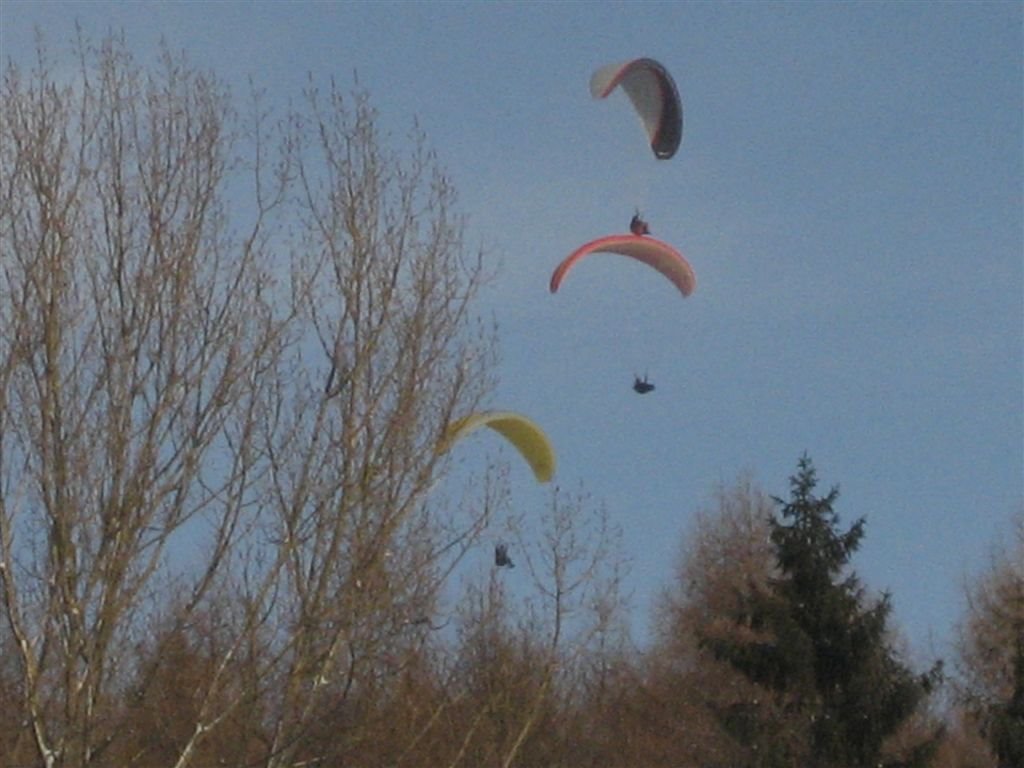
[{"x": 824, "y": 646}]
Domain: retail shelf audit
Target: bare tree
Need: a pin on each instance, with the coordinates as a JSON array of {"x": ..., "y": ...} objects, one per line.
[
  {"x": 504, "y": 691},
  {"x": 382, "y": 288},
  {"x": 991, "y": 651},
  {"x": 128, "y": 343},
  {"x": 727, "y": 553},
  {"x": 963, "y": 746},
  {"x": 727, "y": 557},
  {"x": 200, "y": 419},
  {"x": 576, "y": 568}
]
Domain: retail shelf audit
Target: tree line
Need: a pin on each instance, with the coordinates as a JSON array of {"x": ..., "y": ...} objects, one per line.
[{"x": 230, "y": 340}]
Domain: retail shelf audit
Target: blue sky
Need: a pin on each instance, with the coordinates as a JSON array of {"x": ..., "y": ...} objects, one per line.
[{"x": 848, "y": 191}]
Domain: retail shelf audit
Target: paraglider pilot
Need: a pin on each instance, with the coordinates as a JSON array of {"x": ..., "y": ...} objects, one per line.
[
  {"x": 642, "y": 386},
  {"x": 501, "y": 558},
  {"x": 638, "y": 226}
]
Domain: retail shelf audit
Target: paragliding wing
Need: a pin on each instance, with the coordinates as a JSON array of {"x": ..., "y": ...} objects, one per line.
[
  {"x": 651, "y": 251},
  {"x": 525, "y": 435},
  {"x": 654, "y": 95}
]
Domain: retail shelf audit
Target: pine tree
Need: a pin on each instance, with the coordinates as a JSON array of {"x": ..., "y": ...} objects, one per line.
[{"x": 820, "y": 644}]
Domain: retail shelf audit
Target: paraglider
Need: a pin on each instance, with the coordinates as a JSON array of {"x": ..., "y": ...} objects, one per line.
[
  {"x": 654, "y": 95},
  {"x": 523, "y": 434},
  {"x": 501, "y": 558},
  {"x": 642, "y": 386},
  {"x": 652, "y": 252},
  {"x": 638, "y": 226}
]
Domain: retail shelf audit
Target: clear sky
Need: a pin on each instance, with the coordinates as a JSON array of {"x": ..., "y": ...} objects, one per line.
[{"x": 848, "y": 191}]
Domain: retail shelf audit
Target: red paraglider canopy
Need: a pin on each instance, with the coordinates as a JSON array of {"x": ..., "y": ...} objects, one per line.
[{"x": 661, "y": 256}]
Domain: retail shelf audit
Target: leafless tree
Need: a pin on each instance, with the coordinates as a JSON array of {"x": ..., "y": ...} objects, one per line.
[
  {"x": 128, "y": 346},
  {"x": 727, "y": 557},
  {"x": 205, "y": 418},
  {"x": 523, "y": 639},
  {"x": 382, "y": 287},
  {"x": 963, "y": 745},
  {"x": 990, "y": 651},
  {"x": 726, "y": 553},
  {"x": 576, "y": 568}
]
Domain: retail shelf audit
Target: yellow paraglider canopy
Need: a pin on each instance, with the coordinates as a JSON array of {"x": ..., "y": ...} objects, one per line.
[{"x": 525, "y": 435}]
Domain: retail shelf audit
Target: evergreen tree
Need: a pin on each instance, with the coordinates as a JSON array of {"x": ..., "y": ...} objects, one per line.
[{"x": 818, "y": 643}]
